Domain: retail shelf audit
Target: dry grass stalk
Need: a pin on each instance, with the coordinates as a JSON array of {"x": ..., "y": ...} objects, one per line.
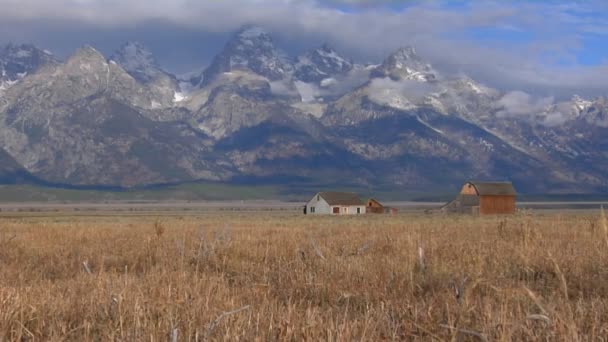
[
  {"x": 604, "y": 224},
  {"x": 317, "y": 249},
  {"x": 159, "y": 228},
  {"x": 537, "y": 317},
  {"x": 459, "y": 288},
  {"x": 536, "y": 300},
  {"x": 364, "y": 248},
  {"x": 174, "y": 334},
  {"x": 87, "y": 268},
  {"x": 561, "y": 276},
  {"x": 480, "y": 336},
  {"x": 421, "y": 258},
  {"x": 217, "y": 321},
  {"x": 9, "y": 239}
]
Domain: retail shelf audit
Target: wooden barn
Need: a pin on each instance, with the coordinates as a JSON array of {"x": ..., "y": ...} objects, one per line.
[
  {"x": 335, "y": 203},
  {"x": 373, "y": 206},
  {"x": 484, "y": 198}
]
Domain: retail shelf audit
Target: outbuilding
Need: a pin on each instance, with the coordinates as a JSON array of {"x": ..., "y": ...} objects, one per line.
[
  {"x": 335, "y": 203},
  {"x": 484, "y": 198},
  {"x": 373, "y": 206}
]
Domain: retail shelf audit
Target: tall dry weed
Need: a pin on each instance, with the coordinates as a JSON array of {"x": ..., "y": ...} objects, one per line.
[{"x": 604, "y": 224}]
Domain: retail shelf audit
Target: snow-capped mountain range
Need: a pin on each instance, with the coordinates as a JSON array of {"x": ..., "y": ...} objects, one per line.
[{"x": 256, "y": 114}]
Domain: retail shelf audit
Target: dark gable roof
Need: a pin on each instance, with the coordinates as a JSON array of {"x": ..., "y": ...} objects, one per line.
[
  {"x": 375, "y": 201},
  {"x": 341, "y": 198},
  {"x": 494, "y": 188}
]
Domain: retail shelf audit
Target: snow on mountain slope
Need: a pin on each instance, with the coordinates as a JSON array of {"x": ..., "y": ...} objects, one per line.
[
  {"x": 251, "y": 48},
  {"x": 256, "y": 112},
  {"x": 320, "y": 65},
  {"x": 17, "y": 61}
]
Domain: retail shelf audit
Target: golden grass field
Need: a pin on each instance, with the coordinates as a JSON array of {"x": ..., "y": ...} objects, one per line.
[{"x": 283, "y": 276}]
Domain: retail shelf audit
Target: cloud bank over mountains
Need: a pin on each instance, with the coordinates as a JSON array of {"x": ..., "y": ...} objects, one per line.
[{"x": 530, "y": 46}]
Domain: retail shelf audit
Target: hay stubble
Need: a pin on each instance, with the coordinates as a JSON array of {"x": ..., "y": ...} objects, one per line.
[{"x": 283, "y": 276}]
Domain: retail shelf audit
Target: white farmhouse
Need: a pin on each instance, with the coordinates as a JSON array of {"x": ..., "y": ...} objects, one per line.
[{"x": 335, "y": 203}]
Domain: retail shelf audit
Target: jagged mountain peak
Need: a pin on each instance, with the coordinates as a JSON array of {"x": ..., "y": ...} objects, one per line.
[
  {"x": 325, "y": 49},
  {"x": 134, "y": 50},
  {"x": 252, "y": 49},
  {"x": 25, "y": 54},
  {"x": 87, "y": 52},
  {"x": 136, "y": 59},
  {"x": 405, "y": 53},
  {"x": 321, "y": 63},
  {"x": 19, "y": 60},
  {"x": 405, "y": 64},
  {"x": 23, "y": 51},
  {"x": 594, "y": 112},
  {"x": 251, "y": 39},
  {"x": 328, "y": 52},
  {"x": 249, "y": 32},
  {"x": 134, "y": 45}
]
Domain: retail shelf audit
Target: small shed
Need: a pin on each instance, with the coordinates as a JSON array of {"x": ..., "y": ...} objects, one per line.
[
  {"x": 335, "y": 203},
  {"x": 374, "y": 207},
  {"x": 484, "y": 198}
]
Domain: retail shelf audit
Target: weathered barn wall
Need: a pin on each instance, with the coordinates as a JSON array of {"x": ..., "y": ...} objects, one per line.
[{"x": 489, "y": 205}]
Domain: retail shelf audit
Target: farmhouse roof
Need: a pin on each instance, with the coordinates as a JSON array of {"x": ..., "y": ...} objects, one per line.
[
  {"x": 341, "y": 198},
  {"x": 494, "y": 188}
]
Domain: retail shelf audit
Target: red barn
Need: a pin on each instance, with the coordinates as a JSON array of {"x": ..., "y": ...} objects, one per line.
[{"x": 484, "y": 198}]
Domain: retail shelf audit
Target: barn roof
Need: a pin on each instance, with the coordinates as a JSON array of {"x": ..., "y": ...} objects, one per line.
[
  {"x": 341, "y": 198},
  {"x": 375, "y": 201},
  {"x": 494, "y": 188}
]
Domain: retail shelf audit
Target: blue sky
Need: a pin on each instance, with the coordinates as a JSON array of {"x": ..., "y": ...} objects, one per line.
[
  {"x": 550, "y": 47},
  {"x": 586, "y": 20}
]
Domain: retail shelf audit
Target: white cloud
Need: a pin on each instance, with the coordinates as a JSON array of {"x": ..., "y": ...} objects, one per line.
[
  {"x": 518, "y": 103},
  {"x": 368, "y": 33},
  {"x": 308, "y": 91},
  {"x": 555, "y": 118},
  {"x": 281, "y": 88},
  {"x": 398, "y": 94}
]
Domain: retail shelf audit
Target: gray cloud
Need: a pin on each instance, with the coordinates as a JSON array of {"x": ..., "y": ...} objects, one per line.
[
  {"x": 400, "y": 94},
  {"x": 518, "y": 103},
  {"x": 187, "y": 30},
  {"x": 523, "y": 106},
  {"x": 333, "y": 87}
]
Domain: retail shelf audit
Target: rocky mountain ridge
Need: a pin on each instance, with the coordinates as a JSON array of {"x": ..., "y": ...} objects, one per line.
[
  {"x": 17, "y": 61},
  {"x": 258, "y": 115}
]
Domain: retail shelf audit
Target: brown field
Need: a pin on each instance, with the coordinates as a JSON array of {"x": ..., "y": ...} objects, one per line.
[{"x": 259, "y": 276}]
